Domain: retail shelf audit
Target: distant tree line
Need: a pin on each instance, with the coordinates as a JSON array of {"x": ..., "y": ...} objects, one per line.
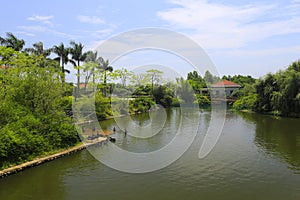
[{"x": 278, "y": 93}]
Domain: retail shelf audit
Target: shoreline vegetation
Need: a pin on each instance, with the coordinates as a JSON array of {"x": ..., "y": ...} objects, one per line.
[
  {"x": 40, "y": 160},
  {"x": 38, "y": 107},
  {"x": 275, "y": 94}
]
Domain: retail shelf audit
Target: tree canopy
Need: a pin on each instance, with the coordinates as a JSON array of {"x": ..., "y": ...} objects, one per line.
[{"x": 32, "y": 116}]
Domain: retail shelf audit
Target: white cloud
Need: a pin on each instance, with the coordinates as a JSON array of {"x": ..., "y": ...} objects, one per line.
[
  {"x": 26, "y": 33},
  {"x": 41, "y": 18},
  {"x": 33, "y": 28},
  {"x": 216, "y": 25},
  {"x": 99, "y": 34},
  {"x": 43, "y": 29},
  {"x": 90, "y": 19}
]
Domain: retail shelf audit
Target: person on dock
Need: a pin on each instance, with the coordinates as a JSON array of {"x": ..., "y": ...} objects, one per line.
[{"x": 114, "y": 129}]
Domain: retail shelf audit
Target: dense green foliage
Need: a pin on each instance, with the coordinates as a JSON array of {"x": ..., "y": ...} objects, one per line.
[
  {"x": 280, "y": 93},
  {"x": 185, "y": 91},
  {"x": 196, "y": 81},
  {"x": 245, "y": 102},
  {"x": 140, "y": 104},
  {"x": 12, "y": 41},
  {"x": 277, "y": 93},
  {"x": 163, "y": 96},
  {"x": 240, "y": 79},
  {"x": 32, "y": 117},
  {"x": 102, "y": 106}
]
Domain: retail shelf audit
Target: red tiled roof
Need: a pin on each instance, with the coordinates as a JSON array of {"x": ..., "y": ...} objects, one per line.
[
  {"x": 82, "y": 85},
  {"x": 225, "y": 83},
  {"x": 3, "y": 67}
]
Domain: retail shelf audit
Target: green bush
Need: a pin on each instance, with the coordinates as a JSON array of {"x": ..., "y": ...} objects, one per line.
[
  {"x": 176, "y": 102},
  {"x": 202, "y": 100},
  {"x": 102, "y": 106},
  {"x": 32, "y": 117},
  {"x": 245, "y": 103},
  {"x": 140, "y": 104},
  {"x": 163, "y": 96}
]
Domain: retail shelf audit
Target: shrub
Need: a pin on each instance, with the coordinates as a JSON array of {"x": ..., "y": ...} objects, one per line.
[{"x": 245, "y": 103}]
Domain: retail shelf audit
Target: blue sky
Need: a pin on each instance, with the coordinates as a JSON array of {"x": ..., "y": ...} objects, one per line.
[{"x": 241, "y": 37}]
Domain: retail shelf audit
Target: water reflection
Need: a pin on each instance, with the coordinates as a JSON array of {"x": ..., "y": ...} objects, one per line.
[
  {"x": 163, "y": 137},
  {"x": 279, "y": 137},
  {"x": 36, "y": 183},
  {"x": 248, "y": 162}
]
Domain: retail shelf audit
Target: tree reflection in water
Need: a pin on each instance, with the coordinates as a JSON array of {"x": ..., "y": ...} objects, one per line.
[{"x": 279, "y": 137}]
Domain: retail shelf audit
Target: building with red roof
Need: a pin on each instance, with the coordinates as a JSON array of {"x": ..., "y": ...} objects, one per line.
[{"x": 228, "y": 86}]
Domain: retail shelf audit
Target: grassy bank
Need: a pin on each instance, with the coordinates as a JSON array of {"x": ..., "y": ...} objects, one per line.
[{"x": 49, "y": 156}]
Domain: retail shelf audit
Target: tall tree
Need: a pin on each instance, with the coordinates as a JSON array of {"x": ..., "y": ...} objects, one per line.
[
  {"x": 196, "y": 81},
  {"x": 38, "y": 49},
  {"x": 154, "y": 75},
  {"x": 185, "y": 91},
  {"x": 62, "y": 57},
  {"x": 208, "y": 77},
  {"x": 124, "y": 75},
  {"x": 104, "y": 65},
  {"x": 139, "y": 79},
  {"x": 32, "y": 118},
  {"x": 240, "y": 79},
  {"x": 12, "y": 41},
  {"x": 90, "y": 66},
  {"x": 78, "y": 56},
  {"x": 279, "y": 93}
]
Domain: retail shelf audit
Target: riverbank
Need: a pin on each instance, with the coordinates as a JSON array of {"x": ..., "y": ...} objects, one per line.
[
  {"x": 39, "y": 161},
  {"x": 60, "y": 153},
  {"x": 274, "y": 114}
]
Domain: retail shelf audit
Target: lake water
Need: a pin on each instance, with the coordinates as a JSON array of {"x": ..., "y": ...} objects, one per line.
[{"x": 256, "y": 157}]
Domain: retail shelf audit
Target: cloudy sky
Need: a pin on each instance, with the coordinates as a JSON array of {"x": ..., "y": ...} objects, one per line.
[{"x": 240, "y": 37}]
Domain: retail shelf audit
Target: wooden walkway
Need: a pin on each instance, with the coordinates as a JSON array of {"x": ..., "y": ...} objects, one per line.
[{"x": 17, "y": 168}]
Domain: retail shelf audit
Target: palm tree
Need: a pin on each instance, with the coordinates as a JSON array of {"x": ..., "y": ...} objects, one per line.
[
  {"x": 104, "y": 65},
  {"x": 77, "y": 56},
  {"x": 91, "y": 57},
  {"x": 62, "y": 56},
  {"x": 12, "y": 41},
  {"x": 38, "y": 49}
]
